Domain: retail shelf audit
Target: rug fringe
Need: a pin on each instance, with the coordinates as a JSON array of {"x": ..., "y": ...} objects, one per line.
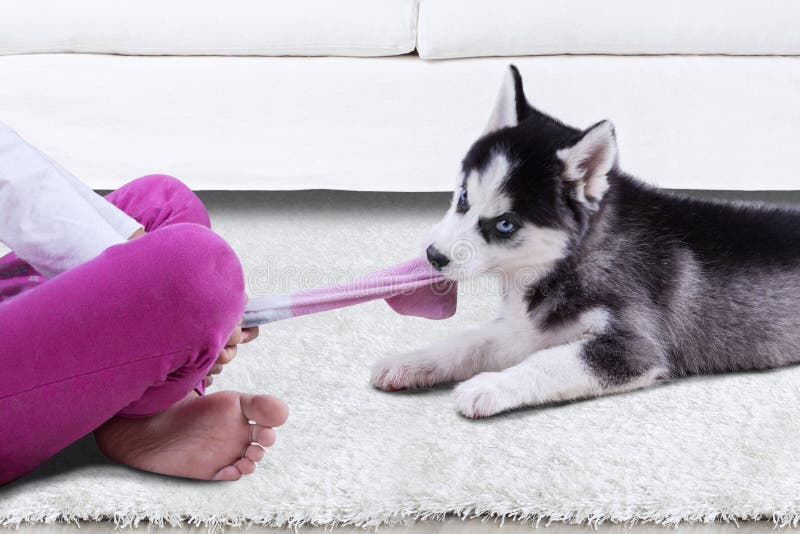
[{"x": 371, "y": 521}]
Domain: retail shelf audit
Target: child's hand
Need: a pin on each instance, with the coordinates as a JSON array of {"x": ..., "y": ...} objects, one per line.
[{"x": 240, "y": 335}]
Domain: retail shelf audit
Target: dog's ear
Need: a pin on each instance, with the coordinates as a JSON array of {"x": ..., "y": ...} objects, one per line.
[
  {"x": 511, "y": 107},
  {"x": 589, "y": 160}
]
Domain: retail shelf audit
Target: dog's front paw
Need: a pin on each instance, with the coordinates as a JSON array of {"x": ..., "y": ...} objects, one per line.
[
  {"x": 409, "y": 372},
  {"x": 484, "y": 395}
]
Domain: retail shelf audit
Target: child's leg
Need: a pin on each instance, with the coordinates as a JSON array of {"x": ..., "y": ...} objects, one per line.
[
  {"x": 155, "y": 201},
  {"x": 158, "y": 201},
  {"x": 130, "y": 333}
]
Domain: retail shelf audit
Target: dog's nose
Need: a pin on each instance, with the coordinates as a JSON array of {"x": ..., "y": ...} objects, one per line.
[{"x": 437, "y": 259}]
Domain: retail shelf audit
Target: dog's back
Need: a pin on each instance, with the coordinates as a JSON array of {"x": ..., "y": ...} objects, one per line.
[{"x": 715, "y": 284}]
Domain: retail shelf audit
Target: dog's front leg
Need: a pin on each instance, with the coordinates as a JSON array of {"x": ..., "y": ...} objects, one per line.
[
  {"x": 491, "y": 348},
  {"x": 584, "y": 368}
]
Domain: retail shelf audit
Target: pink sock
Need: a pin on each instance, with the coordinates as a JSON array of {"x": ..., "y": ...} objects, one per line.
[{"x": 411, "y": 288}]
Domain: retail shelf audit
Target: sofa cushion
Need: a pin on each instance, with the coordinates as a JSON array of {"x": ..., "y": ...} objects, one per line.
[
  {"x": 471, "y": 28},
  {"x": 206, "y": 27}
]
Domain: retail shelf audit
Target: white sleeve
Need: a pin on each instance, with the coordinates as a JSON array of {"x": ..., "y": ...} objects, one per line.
[
  {"x": 120, "y": 221},
  {"x": 43, "y": 219}
]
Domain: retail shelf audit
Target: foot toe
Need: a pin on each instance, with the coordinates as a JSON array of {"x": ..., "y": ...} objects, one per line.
[
  {"x": 229, "y": 473},
  {"x": 264, "y": 435},
  {"x": 265, "y": 410},
  {"x": 254, "y": 453},
  {"x": 245, "y": 466}
]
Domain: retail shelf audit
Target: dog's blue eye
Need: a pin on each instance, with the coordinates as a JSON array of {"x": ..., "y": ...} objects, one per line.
[
  {"x": 462, "y": 205},
  {"x": 504, "y": 226}
]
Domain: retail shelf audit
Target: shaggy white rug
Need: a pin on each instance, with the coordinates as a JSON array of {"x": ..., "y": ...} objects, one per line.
[{"x": 724, "y": 447}]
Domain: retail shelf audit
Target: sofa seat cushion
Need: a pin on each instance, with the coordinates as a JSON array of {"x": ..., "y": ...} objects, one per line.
[
  {"x": 206, "y": 27},
  {"x": 472, "y": 28}
]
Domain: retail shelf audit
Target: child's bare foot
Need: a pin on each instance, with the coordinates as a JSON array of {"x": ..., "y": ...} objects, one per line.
[{"x": 199, "y": 437}]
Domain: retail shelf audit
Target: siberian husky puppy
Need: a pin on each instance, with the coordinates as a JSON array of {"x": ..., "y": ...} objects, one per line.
[{"x": 611, "y": 284}]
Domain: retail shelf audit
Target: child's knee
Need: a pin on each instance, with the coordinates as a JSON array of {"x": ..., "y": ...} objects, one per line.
[
  {"x": 201, "y": 276},
  {"x": 165, "y": 185},
  {"x": 168, "y": 192}
]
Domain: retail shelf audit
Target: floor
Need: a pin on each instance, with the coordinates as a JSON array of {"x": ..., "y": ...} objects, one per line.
[{"x": 219, "y": 201}]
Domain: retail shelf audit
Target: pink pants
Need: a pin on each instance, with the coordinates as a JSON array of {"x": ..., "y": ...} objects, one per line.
[{"x": 128, "y": 333}]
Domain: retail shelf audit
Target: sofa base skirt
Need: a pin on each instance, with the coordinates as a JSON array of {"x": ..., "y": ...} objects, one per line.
[{"x": 395, "y": 124}]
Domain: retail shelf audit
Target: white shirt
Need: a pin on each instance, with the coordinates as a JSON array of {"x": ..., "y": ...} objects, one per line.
[{"x": 48, "y": 217}]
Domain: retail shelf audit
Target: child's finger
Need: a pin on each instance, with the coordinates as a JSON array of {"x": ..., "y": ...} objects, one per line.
[
  {"x": 249, "y": 334},
  {"x": 227, "y": 354},
  {"x": 236, "y": 337}
]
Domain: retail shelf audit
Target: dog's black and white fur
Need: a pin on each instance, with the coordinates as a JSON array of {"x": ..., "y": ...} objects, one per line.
[{"x": 612, "y": 285}]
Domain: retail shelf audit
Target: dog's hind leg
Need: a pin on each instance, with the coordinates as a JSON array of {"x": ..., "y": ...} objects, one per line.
[
  {"x": 493, "y": 347},
  {"x": 561, "y": 373}
]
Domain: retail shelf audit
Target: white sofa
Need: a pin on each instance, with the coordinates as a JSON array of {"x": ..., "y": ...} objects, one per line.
[{"x": 705, "y": 94}]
